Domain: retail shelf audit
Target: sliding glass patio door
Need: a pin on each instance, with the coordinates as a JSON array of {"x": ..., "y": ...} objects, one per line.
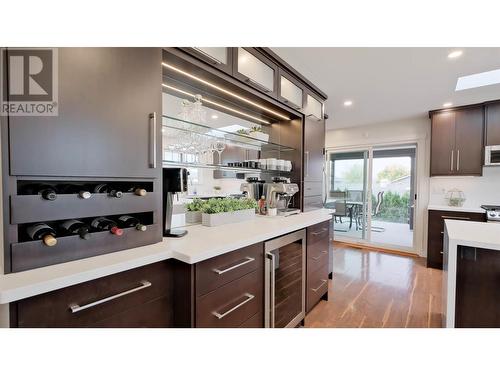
[
  {"x": 348, "y": 185},
  {"x": 373, "y": 193}
]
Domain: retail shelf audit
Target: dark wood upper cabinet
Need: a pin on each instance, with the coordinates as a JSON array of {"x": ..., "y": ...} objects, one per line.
[
  {"x": 105, "y": 127},
  {"x": 219, "y": 57},
  {"x": 256, "y": 70},
  {"x": 314, "y": 143},
  {"x": 290, "y": 92},
  {"x": 313, "y": 106},
  {"x": 457, "y": 142},
  {"x": 492, "y": 124}
]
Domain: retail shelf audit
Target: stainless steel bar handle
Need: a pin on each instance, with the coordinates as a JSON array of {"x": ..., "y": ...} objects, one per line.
[
  {"x": 272, "y": 286},
  {"x": 221, "y": 272},
  {"x": 451, "y": 165},
  {"x": 152, "y": 140},
  {"x": 74, "y": 307},
  {"x": 307, "y": 163},
  {"x": 211, "y": 58},
  {"x": 323, "y": 282},
  {"x": 454, "y": 217},
  {"x": 321, "y": 231},
  {"x": 323, "y": 252},
  {"x": 248, "y": 299},
  {"x": 458, "y": 160}
]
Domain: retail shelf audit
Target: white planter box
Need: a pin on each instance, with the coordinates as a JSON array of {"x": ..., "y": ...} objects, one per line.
[
  {"x": 193, "y": 217},
  {"x": 260, "y": 136},
  {"x": 213, "y": 220}
]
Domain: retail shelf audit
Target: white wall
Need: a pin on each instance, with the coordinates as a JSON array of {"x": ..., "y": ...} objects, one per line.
[
  {"x": 477, "y": 190},
  {"x": 413, "y": 130}
]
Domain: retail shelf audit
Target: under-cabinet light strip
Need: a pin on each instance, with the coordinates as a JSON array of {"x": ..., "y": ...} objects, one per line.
[
  {"x": 216, "y": 104},
  {"x": 225, "y": 91}
]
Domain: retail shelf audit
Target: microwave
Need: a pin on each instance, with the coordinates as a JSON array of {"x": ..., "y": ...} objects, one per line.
[{"x": 492, "y": 155}]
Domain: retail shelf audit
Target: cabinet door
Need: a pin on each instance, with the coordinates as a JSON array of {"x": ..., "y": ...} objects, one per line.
[
  {"x": 106, "y": 97},
  {"x": 314, "y": 143},
  {"x": 219, "y": 57},
  {"x": 469, "y": 142},
  {"x": 477, "y": 302},
  {"x": 290, "y": 91},
  {"x": 443, "y": 144},
  {"x": 313, "y": 107},
  {"x": 256, "y": 70},
  {"x": 493, "y": 124}
]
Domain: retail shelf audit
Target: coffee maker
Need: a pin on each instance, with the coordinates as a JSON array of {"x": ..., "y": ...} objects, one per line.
[
  {"x": 253, "y": 188},
  {"x": 279, "y": 193},
  {"x": 175, "y": 180}
]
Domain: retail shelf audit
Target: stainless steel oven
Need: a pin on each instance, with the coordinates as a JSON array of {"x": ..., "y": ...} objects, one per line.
[
  {"x": 285, "y": 276},
  {"x": 492, "y": 155}
]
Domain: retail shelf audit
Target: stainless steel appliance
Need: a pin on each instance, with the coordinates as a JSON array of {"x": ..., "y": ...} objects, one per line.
[
  {"x": 279, "y": 195},
  {"x": 492, "y": 155},
  {"x": 174, "y": 181},
  {"x": 285, "y": 276},
  {"x": 253, "y": 188},
  {"x": 492, "y": 213}
]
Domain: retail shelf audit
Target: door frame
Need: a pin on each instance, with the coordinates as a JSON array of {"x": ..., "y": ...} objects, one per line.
[{"x": 419, "y": 147}]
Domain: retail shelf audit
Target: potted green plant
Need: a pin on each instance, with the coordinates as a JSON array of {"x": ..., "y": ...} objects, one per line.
[
  {"x": 193, "y": 214},
  {"x": 219, "y": 211},
  {"x": 257, "y": 133}
]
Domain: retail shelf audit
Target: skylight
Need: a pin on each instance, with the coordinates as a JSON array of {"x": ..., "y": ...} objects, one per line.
[{"x": 478, "y": 80}]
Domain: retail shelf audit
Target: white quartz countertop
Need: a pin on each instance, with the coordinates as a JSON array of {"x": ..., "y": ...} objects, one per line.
[
  {"x": 199, "y": 244},
  {"x": 474, "y": 234},
  {"x": 476, "y": 209}
]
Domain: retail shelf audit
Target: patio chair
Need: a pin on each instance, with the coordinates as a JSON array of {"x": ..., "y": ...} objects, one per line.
[{"x": 340, "y": 206}]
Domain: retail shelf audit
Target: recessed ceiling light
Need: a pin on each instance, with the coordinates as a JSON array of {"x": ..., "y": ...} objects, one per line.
[
  {"x": 214, "y": 116},
  {"x": 447, "y": 104},
  {"x": 455, "y": 54},
  {"x": 478, "y": 80},
  {"x": 348, "y": 103}
]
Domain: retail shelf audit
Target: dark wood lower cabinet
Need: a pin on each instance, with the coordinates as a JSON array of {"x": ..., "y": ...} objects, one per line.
[
  {"x": 435, "y": 234},
  {"x": 318, "y": 245},
  {"x": 477, "y": 303}
]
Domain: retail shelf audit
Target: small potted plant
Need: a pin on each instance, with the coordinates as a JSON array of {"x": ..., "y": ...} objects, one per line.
[
  {"x": 219, "y": 211},
  {"x": 193, "y": 214},
  {"x": 257, "y": 133}
]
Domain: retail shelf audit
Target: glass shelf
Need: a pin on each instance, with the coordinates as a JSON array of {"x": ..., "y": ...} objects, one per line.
[
  {"x": 232, "y": 138},
  {"x": 167, "y": 163}
]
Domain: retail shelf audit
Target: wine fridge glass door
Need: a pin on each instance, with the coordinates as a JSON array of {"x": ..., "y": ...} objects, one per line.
[{"x": 285, "y": 280}]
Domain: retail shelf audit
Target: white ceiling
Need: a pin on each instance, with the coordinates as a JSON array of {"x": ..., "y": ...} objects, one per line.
[{"x": 388, "y": 84}]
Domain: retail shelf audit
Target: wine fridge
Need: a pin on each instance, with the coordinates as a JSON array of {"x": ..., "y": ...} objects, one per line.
[{"x": 285, "y": 280}]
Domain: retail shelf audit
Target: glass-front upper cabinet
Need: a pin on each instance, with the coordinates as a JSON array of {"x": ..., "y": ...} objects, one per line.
[
  {"x": 256, "y": 70},
  {"x": 220, "y": 57},
  {"x": 290, "y": 91},
  {"x": 314, "y": 107}
]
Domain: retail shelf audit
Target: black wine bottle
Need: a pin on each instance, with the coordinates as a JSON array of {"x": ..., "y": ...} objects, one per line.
[
  {"x": 47, "y": 192},
  {"x": 81, "y": 190},
  {"x": 102, "y": 224},
  {"x": 44, "y": 232},
  {"x": 127, "y": 221},
  {"x": 111, "y": 191},
  {"x": 76, "y": 227}
]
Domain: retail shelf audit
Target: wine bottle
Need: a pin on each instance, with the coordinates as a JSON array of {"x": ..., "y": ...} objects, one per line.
[
  {"x": 73, "y": 189},
  {"x": 102, "y": 224},
  {"x": 44, "y": 232},
  {"x": 127, "y": 221},
  {"x": 105, "y": 188},
  {"x": 47, "y": 192},
  {"x": 137, "y": 190},
  {"x": 73, "y": 227}
]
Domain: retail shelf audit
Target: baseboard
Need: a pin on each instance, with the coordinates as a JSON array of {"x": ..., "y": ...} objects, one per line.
[{"x": 375, "y": 248}]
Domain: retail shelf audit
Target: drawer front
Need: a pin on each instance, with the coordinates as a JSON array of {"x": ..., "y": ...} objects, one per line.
[
  {"x": 436, "y": 232},
  {"x": 313, "y": 203},
  {"x": 318, "y": 259},
  {"x": 256, "y": 321},
  {"x": 232, "y": 304},
  {"x": 215, "y": 272},
  {"x": 318, "y": 233},
  {"x": 317, "y": 286},
  {"x": 53, "y": 309},
  {"x": 312, "y": 189}
]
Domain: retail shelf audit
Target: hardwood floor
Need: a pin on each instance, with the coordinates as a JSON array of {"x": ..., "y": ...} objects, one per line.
[{"x": 375, "y": 289}]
